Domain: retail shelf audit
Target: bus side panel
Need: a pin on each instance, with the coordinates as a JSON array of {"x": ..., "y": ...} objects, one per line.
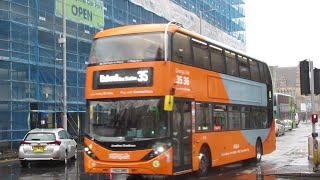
[
  {"x": 216, "y": 89},
  {"x": 232, "y": 146},
  {"x": 226, "y": 147},
  {"x": 243, "y": 91},
  {"x": 269, "y": 145},
  {"x": 193, "y": 82}
]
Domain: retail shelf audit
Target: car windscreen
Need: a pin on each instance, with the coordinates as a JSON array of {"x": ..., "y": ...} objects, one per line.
[
  {"x": 127, "y": 48},
  {"x": 40, "y": 137}
]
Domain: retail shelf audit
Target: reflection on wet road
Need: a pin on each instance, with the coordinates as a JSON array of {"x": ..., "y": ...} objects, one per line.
[
  {"x": 74, "y": 170},
  {"x": 47, "y": 170}
]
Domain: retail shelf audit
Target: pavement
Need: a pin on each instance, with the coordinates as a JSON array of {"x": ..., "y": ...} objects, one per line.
[
  {"x": 294, "y": 171},
  {"x": 293, "y": 160},
  {"x": 8, "y": 154},
  {"x": 300, "y": 166}
]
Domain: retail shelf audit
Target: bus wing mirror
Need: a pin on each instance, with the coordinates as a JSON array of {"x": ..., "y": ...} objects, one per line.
[{"x": 168, "y": 103}]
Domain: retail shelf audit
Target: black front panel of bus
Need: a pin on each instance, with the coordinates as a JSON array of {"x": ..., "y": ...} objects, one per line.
[
  {"x": 121, "y": 78},
  {"x": 130, "y": 145}
]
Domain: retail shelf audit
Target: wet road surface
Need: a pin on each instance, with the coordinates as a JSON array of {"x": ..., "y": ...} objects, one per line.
[{"x": 289, "y": 161}]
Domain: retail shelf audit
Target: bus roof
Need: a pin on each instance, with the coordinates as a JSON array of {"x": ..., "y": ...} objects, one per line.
[
  {"x": 132, "y": 29},
  {"x": 140, "y": 28}
]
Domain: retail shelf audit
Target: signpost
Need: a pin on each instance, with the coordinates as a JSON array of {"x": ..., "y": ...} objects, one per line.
[{"x": 307, "y": 75}]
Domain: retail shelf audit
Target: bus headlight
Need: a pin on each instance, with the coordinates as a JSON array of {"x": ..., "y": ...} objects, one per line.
[
  {"x": 160, "y": 148},
  {"x": 157, "y": 149},
  {"x": 90, "y": 153}
]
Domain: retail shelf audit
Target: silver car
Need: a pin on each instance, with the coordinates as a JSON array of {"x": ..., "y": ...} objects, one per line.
[
  {"x": 279, "y": 128},
  {"x": 47, "y": 144}
]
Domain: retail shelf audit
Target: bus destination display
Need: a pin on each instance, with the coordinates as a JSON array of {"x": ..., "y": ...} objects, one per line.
[{"x": 121, "y": 78}]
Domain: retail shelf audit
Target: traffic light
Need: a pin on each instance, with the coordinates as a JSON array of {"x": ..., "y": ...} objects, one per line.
[
  {"x": 316, "y": 76},
  {"x": 314, "y": 118},
  {"x": 304, "y": 77}
]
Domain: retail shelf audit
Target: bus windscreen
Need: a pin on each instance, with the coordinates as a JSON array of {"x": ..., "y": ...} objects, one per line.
[
  {"x": 136, "y": 120},
  {"x": 127, "y": 48}
]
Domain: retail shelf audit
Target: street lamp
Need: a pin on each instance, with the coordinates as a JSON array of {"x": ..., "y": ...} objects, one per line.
[
  {"x": 63, "y": 40},
  {"x": 65, "y": 109},
  {"x": 201, "y": 17}
]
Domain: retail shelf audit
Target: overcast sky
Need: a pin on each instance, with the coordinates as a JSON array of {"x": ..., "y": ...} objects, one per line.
[{"x": 283, "y": 32}]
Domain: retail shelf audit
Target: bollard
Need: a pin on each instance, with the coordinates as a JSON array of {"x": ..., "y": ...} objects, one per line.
[{"x": 315, "y": 153}]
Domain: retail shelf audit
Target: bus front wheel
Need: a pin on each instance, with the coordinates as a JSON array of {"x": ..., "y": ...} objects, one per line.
[
  {"x": 204, "y": 163},
  {"x": 258, "y": 151}
]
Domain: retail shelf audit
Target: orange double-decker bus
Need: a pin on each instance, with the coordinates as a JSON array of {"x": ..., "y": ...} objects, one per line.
[{"x": 163, "y": 100}]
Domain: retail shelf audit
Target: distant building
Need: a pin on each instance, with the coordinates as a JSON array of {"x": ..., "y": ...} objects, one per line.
[
  {"x": 286, "y": 80},
  {"x": 31, "y": 75}
]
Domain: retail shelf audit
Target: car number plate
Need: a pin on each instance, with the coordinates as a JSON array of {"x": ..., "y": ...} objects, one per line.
[
  {"x": 119, "y": 170},
  {"x": 38, "y": 148}
]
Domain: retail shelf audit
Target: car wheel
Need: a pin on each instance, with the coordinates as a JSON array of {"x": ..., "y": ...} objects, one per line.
[
  {"x": 204, "y": 163},
  {"x": 24, "y": 163},
  {"x": 75, "y": 157},
  {"x": 66, "y": 157}
]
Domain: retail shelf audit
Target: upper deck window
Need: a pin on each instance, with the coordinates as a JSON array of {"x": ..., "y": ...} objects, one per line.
[
  {"x": 232, "y": 64},
  {"x": 200, "y": 54},
  {"x": 181, "y": 49},
  {"x": 127, "y": 48},
  {"x": 243, "y": 67},
  {"x": 254, "y": 70},
  {"x": 217, "y": 59},
  {"x": 262, "y": 73}
]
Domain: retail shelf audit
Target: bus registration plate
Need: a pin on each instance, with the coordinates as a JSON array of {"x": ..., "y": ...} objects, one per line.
[{"x": 119, "y": 170}]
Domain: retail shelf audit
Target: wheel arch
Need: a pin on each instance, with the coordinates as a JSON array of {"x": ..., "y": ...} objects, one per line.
[
  {"x": 201, "y": 170},
  {"x": 207, "y": 147},
  {"x": 261, "y": 143}
]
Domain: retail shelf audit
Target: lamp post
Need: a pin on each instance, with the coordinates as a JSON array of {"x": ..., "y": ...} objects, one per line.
[
  {"x": 64, "y": 121},
  {"x": 63, "y": 40},
  {"x": 201, "y": 18}
]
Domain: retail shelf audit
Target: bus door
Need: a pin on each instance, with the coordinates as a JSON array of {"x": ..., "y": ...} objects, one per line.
[{"x": 182, "y": 135}]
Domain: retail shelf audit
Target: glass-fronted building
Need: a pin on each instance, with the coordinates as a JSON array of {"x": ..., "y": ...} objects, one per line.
[{"x": 31, "y": 67}]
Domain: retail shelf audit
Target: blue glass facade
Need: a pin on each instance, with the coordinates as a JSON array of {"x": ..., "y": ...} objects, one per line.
[
  {"x": 30, "y": 59},
  {"x": 227, "y": 15}
]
